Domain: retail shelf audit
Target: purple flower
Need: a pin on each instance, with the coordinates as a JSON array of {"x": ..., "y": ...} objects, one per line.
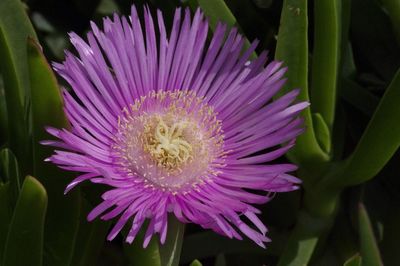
[{"x": 176, "y": 124}]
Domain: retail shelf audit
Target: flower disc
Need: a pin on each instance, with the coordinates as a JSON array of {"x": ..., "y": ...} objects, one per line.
[{"x": 169, "y": 140}]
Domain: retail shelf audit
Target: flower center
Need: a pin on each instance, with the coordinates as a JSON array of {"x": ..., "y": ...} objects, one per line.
[
  {"x": 166, "y": 144},
  {"x": 169, "y": 139}
]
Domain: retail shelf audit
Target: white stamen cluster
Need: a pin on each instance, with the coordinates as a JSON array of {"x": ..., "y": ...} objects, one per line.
[{"x": 166, "y": 144}]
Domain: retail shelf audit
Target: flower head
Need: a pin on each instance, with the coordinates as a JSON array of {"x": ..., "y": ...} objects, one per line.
[{"x": 174, "y": 123}]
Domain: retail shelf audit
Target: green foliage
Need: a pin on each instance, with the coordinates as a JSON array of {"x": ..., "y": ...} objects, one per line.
[
  {"x": 10, "y": 172},
  {"x": 155, "y": 254},
  {"x": 170, "y": 252},
  {"x": 6, "y": 210},
  {"x": 292, "y": 48},
  {"x": 322, "y": 132},
  {"x": 137, "y": 255},
  {"x": 61, "y": 227},
  {"x": 89, "y": 239},
  {"x": 196, "y": 263},
  {"x": 325, "y": 62},
  {"x": 15, "y": 28},
  {"x": 217, "y": 11},
  {"x": 24, "y": 244},
  {"x": 356, "y": 260},
  {"x": 380, "y": 140},
  {"x": 369, "y": 248}
]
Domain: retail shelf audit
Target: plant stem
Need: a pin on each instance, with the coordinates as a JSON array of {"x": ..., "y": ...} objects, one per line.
[{"x": 170, "y": 252}]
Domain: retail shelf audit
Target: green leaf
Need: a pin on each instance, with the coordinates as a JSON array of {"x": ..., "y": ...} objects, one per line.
[
  {"x": 167, "y": 254},
  {"x": 24, "y": 244},
  {"x": 9, "y": 170},
  {"x": 90, "y": 238},
  {"x": 6, "y": 211},
  {"x": 356, "y": 260},
  {"x": 393, "y": 9},
  {"x": 15, "y": 28},
  {"x": 170, "y": 252},
  {"x": 322, "y": 132},
  {"x": 325, "y": 59},
  {"x": 107, "y": 7},
  {"x": 196, "y": 263},
  {"x": 379, "y": 142},
  {"x": 137, "y": 255},
  {"x": 348, "y": 67},
  {"x": 217, "y": 11},
  {"x": 369, "y": 248},
  {"x": 9, "y": 192},
  {"x": 304, "y": 238},
  {"x": 45, "y": 96},
  {"x": 339, "y": 133},
  {"x": 292, "y": 48},
  {"x": 303, "y": 252},
  {"x": 3, "y": 113},
  {"x": 64, "y": 211}
]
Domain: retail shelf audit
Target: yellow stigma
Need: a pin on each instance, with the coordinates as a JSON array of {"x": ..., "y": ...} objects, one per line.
[{"x": 166, "y": 144}]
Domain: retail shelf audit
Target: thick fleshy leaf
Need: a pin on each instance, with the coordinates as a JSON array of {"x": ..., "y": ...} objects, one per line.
[
  {"x": 10, "y": 172},
  {"x": 348, "y": 67},
  {"x": 196, "y": 263},
  {"x": 24, "y": 245},
  {"x": 63, "y": 214},
  {"x": 15, "y": 28},
  {"x": 3, "y": 114},
  {"x": 303, "y": 240},
  {"x": 217, "y": 11},
  {"x": 90, "y": 238},
  {"x": 292, "y": 48},
  {"x": 369, "y": 247},
  {"x": 170, "y": 252},
  {"x": 393, "y": 9},
  {"x": 325, "y": 60},
  {"x": 379, "y": 142},
  {"x": 45, "y": 96},
  {"x": 356, "y": 260},
  {"x": 167, "y": 254},
  {"x": 6, "y": 210},
  {"x": 322, "y": 132},
  {"x": 10, "y": 186},
  {"x": 137, "y": 255}
]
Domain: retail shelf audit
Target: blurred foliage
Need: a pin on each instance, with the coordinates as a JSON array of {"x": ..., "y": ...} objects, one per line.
[{"x": 343, "y": 54}]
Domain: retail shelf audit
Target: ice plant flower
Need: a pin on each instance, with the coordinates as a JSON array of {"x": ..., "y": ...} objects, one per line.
[{"x": 175, "y": 123}]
